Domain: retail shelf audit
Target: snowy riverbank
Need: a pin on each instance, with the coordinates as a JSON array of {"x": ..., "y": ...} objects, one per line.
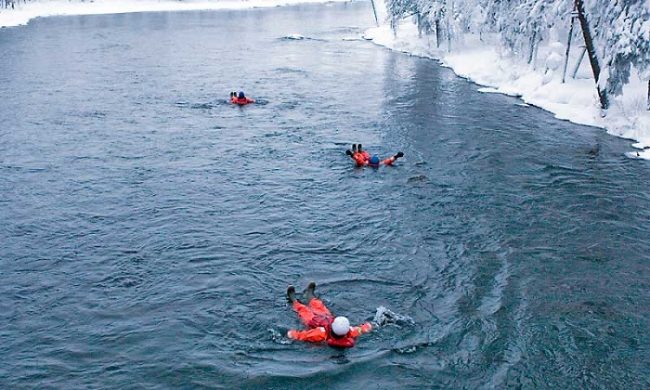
[
  {"x": 24, "y": 12},
  {"x": 575, "y": 100}
]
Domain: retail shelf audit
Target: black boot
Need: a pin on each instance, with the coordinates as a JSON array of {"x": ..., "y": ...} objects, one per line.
[
  {"x": 291, "y": 294},
  {"x": 309, "y": 291}
]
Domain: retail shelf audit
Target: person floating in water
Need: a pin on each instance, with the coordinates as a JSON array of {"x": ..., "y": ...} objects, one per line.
[
  {"x": 362, "y": 158},
  {"x": 321, "y": 324},
  {"x": 240, "y": 98}
]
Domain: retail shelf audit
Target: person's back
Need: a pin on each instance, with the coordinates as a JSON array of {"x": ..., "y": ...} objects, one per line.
[
  {"x": 240, "y": 98},
  {"x": 321, "y": 324},
  {"x": 342, "y": 335},
  {"x": 362, "y": 158}
]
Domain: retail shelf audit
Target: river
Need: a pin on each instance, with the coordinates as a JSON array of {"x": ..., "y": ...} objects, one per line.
[{"x": 149, "y": 229}]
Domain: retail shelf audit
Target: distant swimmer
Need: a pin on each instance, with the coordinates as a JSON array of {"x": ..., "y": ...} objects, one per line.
[
  {"x": 240, "y": 98},
  {"x": 322, "y": 325},
  {"x": 362, "y": 158}
]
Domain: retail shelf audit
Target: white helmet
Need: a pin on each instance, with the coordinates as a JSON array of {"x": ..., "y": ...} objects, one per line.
[{"x": 340, "y": 326}]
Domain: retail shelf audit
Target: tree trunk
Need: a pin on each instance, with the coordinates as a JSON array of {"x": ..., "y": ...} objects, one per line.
[
  {"x": 535, "y": 50},
  {"x": 533, "y": 42},
  {"x": 449, "y": 19},
  {"x": 648, "y": 95},
  {"x": 576, "y": 68},
  {"x": 593, "y": 58},
  {"x": 568, "y": 49},
  {"x": 448, "y": 37},
  {"x": 419, "y": 16},
  {"x": 437, "y": 33},
  {"x": 374, "y": 11}
]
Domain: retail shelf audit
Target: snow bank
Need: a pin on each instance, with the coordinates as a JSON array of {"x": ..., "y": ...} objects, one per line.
[
  {"x": 576, "y": 100},
  {"x": 25, "y": 12}
]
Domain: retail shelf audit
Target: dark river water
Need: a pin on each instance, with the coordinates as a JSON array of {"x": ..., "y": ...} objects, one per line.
[{"x": 148, "y": 229}]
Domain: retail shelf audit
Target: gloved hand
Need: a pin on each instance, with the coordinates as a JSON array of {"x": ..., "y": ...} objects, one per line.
[
  {"x": 399, "y": 154},
  {"x": 348, "y": 152}
]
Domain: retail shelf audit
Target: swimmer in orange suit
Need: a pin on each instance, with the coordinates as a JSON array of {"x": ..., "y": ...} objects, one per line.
[
  {"x": 240, "y": 98},
  {"x": 362, "y": 158},
  {"x": 321, "y": 324}
]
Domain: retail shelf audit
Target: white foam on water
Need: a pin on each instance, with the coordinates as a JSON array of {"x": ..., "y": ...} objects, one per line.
[{"x": 384, "y": 316}]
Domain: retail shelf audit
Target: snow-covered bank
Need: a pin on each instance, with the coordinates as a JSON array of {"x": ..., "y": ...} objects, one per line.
[
  {"x": 483, "y": 62},
  {"x": 25, "y": 12}
]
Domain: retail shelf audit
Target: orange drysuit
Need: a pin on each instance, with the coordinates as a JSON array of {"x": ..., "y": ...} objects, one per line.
[
  {"x": 317, "y": 317},
  {"x": 363, "y": 159},
  {"x": 241, "y": 102}
]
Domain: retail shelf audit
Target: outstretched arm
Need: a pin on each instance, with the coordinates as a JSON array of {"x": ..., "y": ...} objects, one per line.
[
  {"x": 391, "y": 160},
  {"x": 356, "y": 331},
  {"x": 315, "y": 335}
]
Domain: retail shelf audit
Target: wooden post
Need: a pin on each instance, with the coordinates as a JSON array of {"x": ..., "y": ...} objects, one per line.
[
  {"x": 591, "y": 51},
  {"x": 374, "y": 11},
  {"x": 568, "y": 48}
]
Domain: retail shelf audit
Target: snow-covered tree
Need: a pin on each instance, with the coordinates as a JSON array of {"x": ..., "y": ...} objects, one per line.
[
  {"x": 618, "y": 30},
  {"x": 627, "y": 40}
]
